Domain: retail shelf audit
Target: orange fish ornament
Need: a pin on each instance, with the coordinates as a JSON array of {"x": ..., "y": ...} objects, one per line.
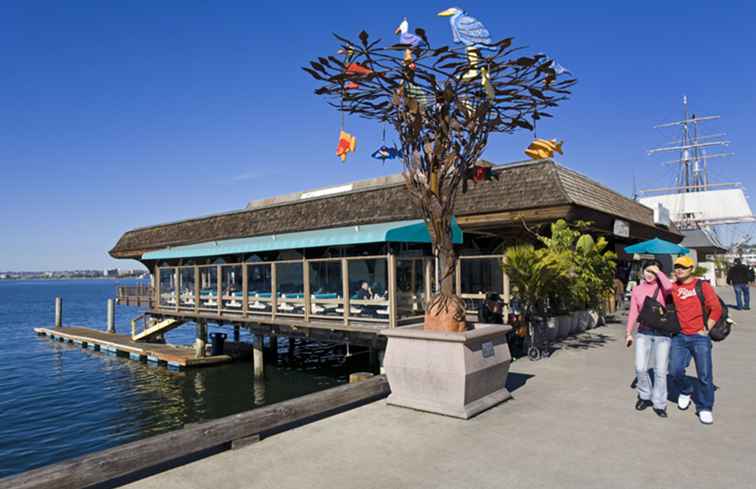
[
  {"x": 544, "y": 148},
  {"x": 347, "y": 144}
]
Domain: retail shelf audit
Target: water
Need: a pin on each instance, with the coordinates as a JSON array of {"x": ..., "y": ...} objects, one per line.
[{"x": 58, "y": 401}]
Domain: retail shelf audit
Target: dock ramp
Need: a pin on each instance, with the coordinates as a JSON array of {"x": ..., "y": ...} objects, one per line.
[{"x": 160, "y": 328}]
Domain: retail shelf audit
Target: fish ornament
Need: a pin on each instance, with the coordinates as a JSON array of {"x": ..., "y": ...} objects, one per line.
[
  {"x": 347, "y": 144},
  {"x": 541, "y": 149},
  {"x": 355, "y": 70},
  {"x": 386, "y": 153}
]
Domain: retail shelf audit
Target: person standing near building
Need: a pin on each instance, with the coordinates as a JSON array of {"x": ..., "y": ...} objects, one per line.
[
  {"x": 693, "y": 341},
  {"x": 650, "y": 344},
  {"x": 738, "y": 276}
]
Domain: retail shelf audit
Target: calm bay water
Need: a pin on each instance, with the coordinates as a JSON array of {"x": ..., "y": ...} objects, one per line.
[{"x": 58, "y": 401}]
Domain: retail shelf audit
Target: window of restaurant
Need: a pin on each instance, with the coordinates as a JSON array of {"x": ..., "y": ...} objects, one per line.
[
  {"x": 290, "y": 288},
  {"x": 326, "y": 288},
  {"x": 187, "y": 282},
  {"x": 168, "y": 287},
  {"x": 232, "y": 285},
  {"x": 259, "y": 288},
  {"x": 368, "y": 289}
]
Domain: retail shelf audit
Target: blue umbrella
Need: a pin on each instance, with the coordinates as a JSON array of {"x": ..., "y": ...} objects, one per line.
[{"x": 656, "y": 246}]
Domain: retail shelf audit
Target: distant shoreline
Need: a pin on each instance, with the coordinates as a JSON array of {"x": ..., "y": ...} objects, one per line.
[{"x": 31, "y": 279}]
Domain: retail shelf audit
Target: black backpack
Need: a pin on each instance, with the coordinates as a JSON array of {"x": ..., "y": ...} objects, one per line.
[{"x": 722, "y": 329}]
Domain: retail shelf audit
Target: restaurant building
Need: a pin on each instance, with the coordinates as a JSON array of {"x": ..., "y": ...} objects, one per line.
[{"x": 342, "y": 263}]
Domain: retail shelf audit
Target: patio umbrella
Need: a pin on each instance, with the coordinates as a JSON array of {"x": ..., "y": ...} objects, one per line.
[{"x": 656, "y": 246}]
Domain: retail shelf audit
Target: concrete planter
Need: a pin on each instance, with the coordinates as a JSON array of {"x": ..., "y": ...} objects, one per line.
[
  {"x": 454, "y": 374},
  {"x": 564, "y": 324},
  {"x": 575, "y": 322},
  {"x": 592, "y": 319},
  {"x": 552, "y": 329}
]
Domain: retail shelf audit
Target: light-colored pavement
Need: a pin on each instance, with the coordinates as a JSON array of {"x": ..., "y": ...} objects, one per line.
[{"x": 572, "y": 424}]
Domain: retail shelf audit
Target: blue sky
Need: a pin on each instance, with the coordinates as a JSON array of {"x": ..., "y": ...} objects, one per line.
[{"x": 115, "y": 115}]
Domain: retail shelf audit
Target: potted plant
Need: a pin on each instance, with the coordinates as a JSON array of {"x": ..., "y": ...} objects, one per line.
[{"x": 443, "y": 102}]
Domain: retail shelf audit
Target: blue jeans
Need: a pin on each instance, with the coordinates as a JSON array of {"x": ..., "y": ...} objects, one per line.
[
  {"x": 698, "y": 347},
  {"x": 742, "y": 291},
  {"x": 647, "y": 346}
]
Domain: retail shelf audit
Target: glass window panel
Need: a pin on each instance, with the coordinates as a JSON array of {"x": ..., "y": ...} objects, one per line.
[
  {"x": 208, "y": 287},
  {"x": 481, "y": 275},
  {"x": 168, "y": 287},
  {"x": 326, "y": 288},
  {"x": 187, "y": 282},
  {"x": 368, "y": 289},
  {"x": 409, "y": 288},
  {"x": 259, "y": 281},
  {"x": 232, "y": 285},
  {"x": 290, "y": 288}
]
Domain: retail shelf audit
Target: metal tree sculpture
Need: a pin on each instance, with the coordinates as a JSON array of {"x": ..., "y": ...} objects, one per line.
[{"x": 443, "y": 103}]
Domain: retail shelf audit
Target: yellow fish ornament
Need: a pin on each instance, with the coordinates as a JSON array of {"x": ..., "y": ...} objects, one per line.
[{"x": 540, "y": 149}]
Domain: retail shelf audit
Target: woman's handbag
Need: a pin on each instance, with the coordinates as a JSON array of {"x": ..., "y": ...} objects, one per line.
[{"x": 659, "y": 317}]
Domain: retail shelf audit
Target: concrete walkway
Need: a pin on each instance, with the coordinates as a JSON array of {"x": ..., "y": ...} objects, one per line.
[{"x": 571, "y": 425}]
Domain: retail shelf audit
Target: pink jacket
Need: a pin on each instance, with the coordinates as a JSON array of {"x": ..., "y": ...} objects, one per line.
[{"x": 639, "y": 294}]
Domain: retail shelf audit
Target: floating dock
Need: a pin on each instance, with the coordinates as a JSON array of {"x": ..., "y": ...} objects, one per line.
[{"x": 174, "y": 356}]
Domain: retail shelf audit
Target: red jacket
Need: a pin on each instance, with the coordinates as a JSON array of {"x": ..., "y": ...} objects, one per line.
[{"x": 688, "y": 305}]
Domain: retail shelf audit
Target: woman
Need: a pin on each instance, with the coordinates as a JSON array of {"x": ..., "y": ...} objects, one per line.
[{"x": 648, "y": 342}]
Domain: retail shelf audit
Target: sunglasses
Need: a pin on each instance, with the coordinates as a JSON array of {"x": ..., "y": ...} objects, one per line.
[{"x": 681, "y": 267}]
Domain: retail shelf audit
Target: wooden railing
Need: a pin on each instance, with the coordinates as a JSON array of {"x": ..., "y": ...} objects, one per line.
[
  {"x": 135, "y": 295},
  {"x": 133, "y": 461}
]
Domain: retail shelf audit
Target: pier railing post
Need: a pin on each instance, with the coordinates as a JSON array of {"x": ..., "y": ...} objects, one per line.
[
  {"x": 111, "y": 316},
  {"x": 58, "y": 312}
]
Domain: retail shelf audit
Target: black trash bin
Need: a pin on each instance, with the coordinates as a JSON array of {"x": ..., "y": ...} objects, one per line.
[{"x": 218, "y": 340}]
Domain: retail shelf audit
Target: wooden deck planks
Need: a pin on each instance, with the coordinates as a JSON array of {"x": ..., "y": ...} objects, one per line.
[{"x": 175, "y": 356}]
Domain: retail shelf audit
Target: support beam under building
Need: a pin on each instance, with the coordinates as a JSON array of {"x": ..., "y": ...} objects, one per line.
[{"x": 257, "y": 357}]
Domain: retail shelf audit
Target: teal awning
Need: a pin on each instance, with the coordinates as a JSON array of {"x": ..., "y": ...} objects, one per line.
[
  {"x": 656, "y": 246},
  {"x": 414, "y": 231}
]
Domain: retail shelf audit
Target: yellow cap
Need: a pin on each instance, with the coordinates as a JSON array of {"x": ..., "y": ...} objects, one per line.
[{"x": 685, "y": 261}]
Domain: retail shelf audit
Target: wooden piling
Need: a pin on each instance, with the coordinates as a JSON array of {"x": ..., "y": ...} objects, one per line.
[
  {"x": 58, "y": 312},
  {"x": 111, "y": 316},
  {"x": 201, "y": 342},
  {"x": 273, "y": 343},
  {"x": 257, "y": 357},
  {"x": 291, "y": 347},
  {"x": 133, "y": 327},
  {"x": 237, "y": 334}
]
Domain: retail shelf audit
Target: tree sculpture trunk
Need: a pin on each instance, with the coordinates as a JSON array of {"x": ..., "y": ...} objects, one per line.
[{"x": 446, "y": 311}]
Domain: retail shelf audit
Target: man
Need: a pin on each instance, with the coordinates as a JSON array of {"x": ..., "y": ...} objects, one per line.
[
  {"x": 364, "y": 292},
  {"x": 490, "y": 310},
  {"x": 693, "y": 340},
  {"x": 738, "y": 276}
]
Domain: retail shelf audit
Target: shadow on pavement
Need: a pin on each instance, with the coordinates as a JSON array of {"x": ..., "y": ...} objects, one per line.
[{"x": 516, "y": 380}]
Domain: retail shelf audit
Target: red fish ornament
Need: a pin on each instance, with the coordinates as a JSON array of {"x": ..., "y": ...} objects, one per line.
[{"x": 347, "y": 144}]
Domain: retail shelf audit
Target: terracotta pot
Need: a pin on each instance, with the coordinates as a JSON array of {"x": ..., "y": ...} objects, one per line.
[{"x": 450, "y": 318}]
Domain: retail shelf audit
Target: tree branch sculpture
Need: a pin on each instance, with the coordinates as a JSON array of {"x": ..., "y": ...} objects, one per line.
[{"x": 443, "y": 103}]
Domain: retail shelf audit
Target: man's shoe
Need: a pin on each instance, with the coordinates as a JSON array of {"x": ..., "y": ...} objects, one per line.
[
  {"x": 642, "y": 404},
  {"x": 662, "y": 413},
  {"x": 705, "y": 417},
  {"x": 683, "y": 402}
]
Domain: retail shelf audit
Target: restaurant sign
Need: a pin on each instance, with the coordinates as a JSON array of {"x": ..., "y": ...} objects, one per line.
[{"x": 621, "y": 228}]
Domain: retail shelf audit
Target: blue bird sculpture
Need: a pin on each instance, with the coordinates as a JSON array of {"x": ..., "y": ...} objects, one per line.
[
  {"x": 406, "y": 37},
  {"x": 467, "y": 30}
]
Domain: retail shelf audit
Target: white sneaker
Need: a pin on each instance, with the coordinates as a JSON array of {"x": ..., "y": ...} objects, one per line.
[
  {"x": 683, "y": 402},
  {"x": 706, "y": 417}
]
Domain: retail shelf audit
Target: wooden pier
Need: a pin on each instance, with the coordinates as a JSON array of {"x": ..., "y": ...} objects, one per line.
[{"x": 170, "y": 355}]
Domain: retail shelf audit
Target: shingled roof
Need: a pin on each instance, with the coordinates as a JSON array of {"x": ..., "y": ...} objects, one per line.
[{"x": 525, "y": 185}]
